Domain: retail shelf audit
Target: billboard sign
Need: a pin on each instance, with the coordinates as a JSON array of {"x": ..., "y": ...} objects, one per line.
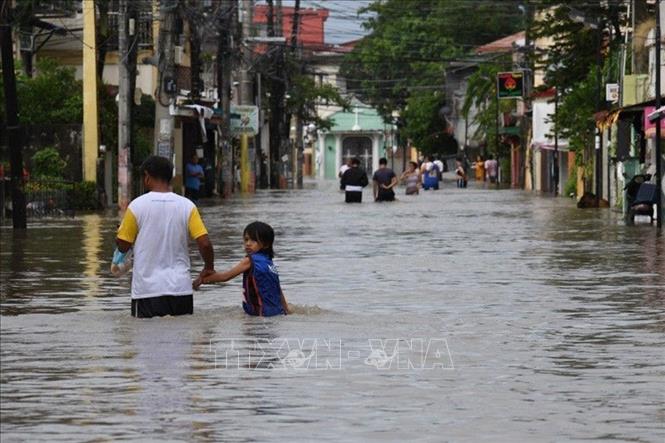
[
  {"x": 244, "y": 120},
  {"x": 510, "y": 84}
]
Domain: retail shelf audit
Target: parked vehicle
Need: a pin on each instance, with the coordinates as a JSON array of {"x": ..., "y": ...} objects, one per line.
[{"x": 640, "y": 197}]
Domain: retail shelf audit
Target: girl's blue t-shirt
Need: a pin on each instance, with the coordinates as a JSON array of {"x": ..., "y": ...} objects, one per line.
[{"x": 261, "y": 287}]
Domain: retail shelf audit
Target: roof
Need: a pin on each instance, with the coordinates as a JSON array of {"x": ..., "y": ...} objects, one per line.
[{"x": 504, "y": 44}]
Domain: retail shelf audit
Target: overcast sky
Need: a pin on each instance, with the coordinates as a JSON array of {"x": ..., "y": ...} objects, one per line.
[{"x": 343, "y": 24}]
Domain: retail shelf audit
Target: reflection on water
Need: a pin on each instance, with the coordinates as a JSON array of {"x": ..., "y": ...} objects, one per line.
[
  {"x": 551, "y": 315},
  {"x": 92, "y": 247}
]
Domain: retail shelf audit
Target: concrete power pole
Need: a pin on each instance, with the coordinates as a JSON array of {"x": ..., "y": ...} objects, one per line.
[
  {"x": 127, "y": 72},
  {"x": 247, "y": 150},
  {"x": 166, "y": 80},
  {"x": 300, "y": 154},
  {"x": 224, "y": 69},
  {"x": 90, "y": 106}
]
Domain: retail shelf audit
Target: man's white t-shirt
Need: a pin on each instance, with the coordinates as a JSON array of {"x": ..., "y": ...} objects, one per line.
[{"x": 160, "y": 224}]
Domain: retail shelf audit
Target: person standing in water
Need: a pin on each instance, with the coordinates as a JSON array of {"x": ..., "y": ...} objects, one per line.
[
  {"x": 412, "y": 179},
  {"x": 345, "y": 167},
  {"x": 479, "y": 166},
  {"x": 158, "y": 225},
  {"x": 384, "y": 180},
  {"x": 353, "y": 182},
  {"x": 193, "y": 176},
  {"x": 430, "y": 173},
  {"x": 460, "y": 173},
  {"x": 492, "y": 169},
  {"x": 262, "y": 291}
]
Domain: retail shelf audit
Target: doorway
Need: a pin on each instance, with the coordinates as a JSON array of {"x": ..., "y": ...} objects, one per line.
[{"x": 361, "y": 148}]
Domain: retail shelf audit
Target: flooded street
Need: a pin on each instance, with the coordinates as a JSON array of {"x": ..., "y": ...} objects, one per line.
[{"x": 456, "y": 315}]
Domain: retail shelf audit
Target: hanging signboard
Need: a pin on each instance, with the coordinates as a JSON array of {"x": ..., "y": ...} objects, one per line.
[
  {"x": 510, "y": 84},
  {"x": 244, "y": 120},
  {"x": 612, "y": 92}
]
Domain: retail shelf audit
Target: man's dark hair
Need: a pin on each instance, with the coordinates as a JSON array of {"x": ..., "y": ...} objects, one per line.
[
  {"x": 158, "y": 167},
  {"x": 355, "y": 162},
  {"x": 383, "y": 161}
]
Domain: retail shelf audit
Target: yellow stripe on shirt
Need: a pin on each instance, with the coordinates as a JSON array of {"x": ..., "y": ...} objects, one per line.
[
  {"x": 195, "y": 225},
  {"x": 128, "y": 229}
]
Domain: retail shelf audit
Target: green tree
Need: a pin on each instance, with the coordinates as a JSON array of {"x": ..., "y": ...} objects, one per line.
[
  {"x": 304, "y": 96},
  {"x": 47, "y": 163},
  {"x": 583, "y": 57},
  {"x": 481, "y": 97},
  {"x": 52, "y": 96},
  {"x": 426, "y": 128},
  {"x": 400, "y": 65}
]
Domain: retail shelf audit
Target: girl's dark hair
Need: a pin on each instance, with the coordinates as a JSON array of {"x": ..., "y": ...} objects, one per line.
[
  {"x": 262, "y": 233},
  {"x": 414, "y": 164}
]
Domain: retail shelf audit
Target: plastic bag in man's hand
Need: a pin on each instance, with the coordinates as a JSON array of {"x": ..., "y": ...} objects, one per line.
[{"x": 121, "y": 263}]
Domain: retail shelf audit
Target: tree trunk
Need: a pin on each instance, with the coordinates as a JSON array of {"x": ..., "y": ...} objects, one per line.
[{"x": 11, "y": 115}]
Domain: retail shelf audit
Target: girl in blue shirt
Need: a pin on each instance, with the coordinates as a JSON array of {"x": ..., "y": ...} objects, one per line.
[{"x": 260, "y": 281}]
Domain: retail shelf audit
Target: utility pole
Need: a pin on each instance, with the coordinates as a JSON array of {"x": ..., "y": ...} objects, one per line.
[
  {"x": 599, "y": 132},
  {"x": 282, "y": 117},
  {"x": 224, "y": 69},
  {"x": 528, "y": 103},
  {"x": 277, "y": 96},
  {"x": 90, "y": 106},
  {"x": 13, "y": 130},
  {"x": 300, "y": 154},
  {"x": 556, "y": 141},
  {"x": 126, "y": 74},
  {"x": 247, "y": 152},
  {"x": 166, "y": 79},
  {"x": 658, "y": 104},
  {"x": 26, "y": 53}
]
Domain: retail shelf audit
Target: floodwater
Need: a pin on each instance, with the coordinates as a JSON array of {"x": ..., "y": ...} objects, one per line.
[{"x": 457, "y": 315}]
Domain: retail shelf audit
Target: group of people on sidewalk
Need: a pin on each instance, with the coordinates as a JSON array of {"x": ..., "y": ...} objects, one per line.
[{"x": 427, "y": 176}]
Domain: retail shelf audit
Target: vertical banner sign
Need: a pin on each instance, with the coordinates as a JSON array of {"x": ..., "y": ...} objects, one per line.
[{"x": 510, "y": 84}]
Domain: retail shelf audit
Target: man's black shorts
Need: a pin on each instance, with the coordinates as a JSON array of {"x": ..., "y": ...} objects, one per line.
[
  {"x": 161, "y": 306},
  {"x": 385, "y": 195},
  {"x": 354, "y": 197}
]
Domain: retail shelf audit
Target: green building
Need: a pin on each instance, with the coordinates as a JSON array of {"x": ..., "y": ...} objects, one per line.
[{"x": 360, "y": 133}]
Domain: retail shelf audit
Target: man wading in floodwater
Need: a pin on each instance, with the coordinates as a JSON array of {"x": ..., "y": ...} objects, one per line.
[
  {"x": 353, "y": 181},
  {"x": 384, "y": 181},
  {"x": 158, "y": 225}
]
